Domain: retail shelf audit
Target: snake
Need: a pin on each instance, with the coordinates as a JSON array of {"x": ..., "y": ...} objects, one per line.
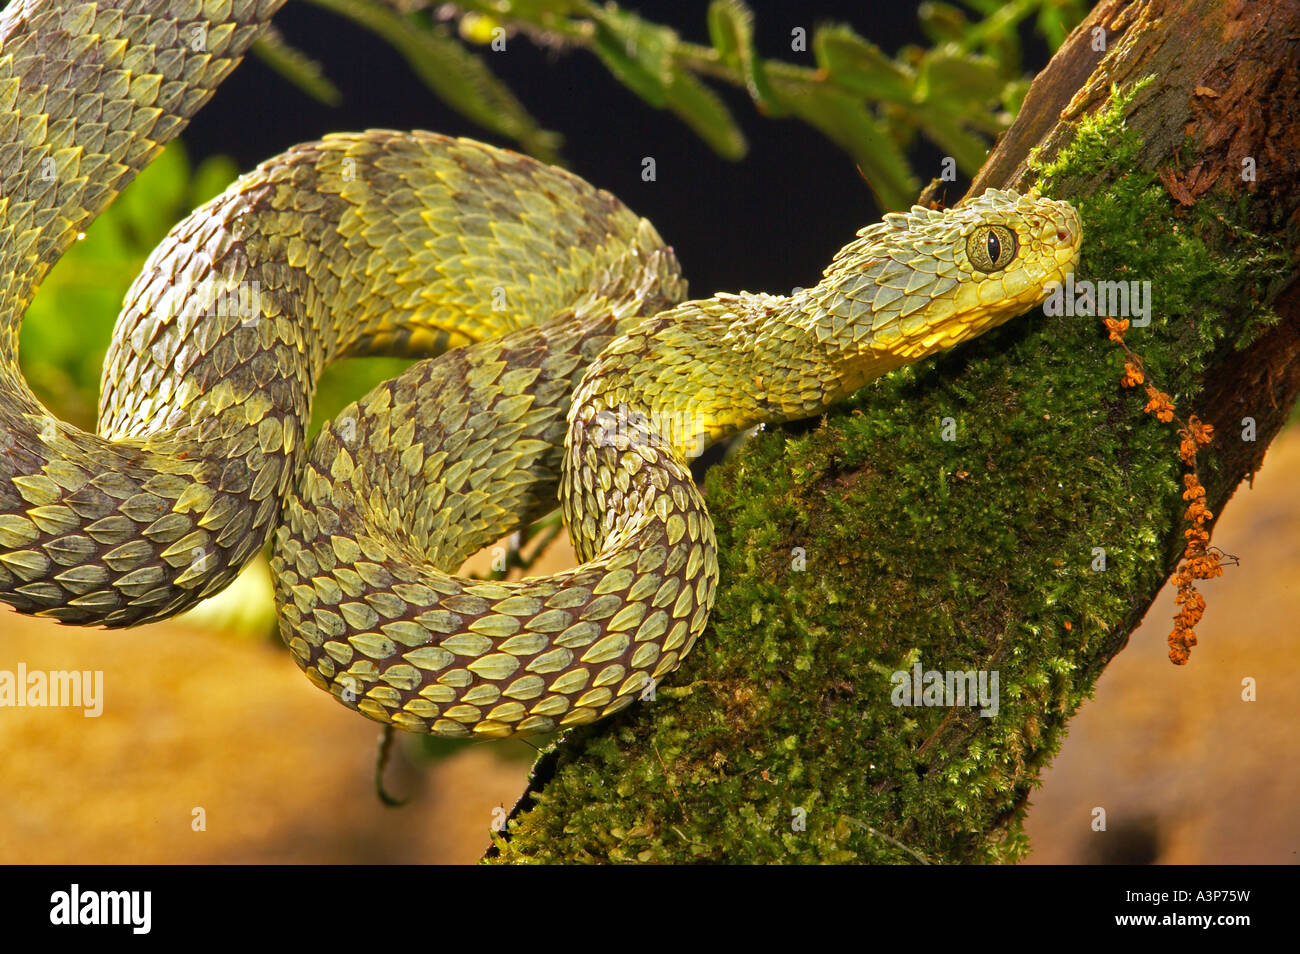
[{"x": 558, "y": 359}]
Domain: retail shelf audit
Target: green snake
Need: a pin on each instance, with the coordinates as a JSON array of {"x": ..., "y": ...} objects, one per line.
[{"x": 557, "y": 351}]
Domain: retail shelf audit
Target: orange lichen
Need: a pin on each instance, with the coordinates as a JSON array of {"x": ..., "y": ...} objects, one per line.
[
  {"x": 1199, "y": 560},
  {"x": 1133, "y": 375},
  {"x": 1160, "y": 404},
  {"x": 1194, "y": 435}
]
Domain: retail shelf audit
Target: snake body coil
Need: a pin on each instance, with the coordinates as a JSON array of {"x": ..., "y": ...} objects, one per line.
[{"x": 380, "y": 242}]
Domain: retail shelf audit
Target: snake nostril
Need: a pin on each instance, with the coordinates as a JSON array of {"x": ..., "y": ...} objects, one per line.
[{"x": 1062, "y": 234}]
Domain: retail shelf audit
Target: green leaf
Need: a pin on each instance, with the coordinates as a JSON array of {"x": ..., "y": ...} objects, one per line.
[
  {"x": 544, "y": 13},
  {"x": 946, "y": 129},
  {"x": 146, "y": 211},
  {"x": 942, "y": 22},
  {"x": 295, "y": 66},
  {"x": 701, "y": 109},
  {"x": 728, "y": 20},
  {"x": 1057, "y": 19},
  {"x": 67, "y": 328},
  {"x": 210, "y": 179},
  {"x": 997, "y": 35},
  {"x": 844, "y": 120},
  {"x": 346, "y": 381},
  {"x": 245, "y": 609},
  {"x": 731, "y": 28},
  {"x": 638, "y": 53},
  {"x": 640, "y": 56},
  {"x": 1013, "y": 95},
  {"x": 455, "y": 75},
  {"x": 861, "y": 66},
  {"x": 963, "y": 79},
  {"x": 985, "y": 7}
]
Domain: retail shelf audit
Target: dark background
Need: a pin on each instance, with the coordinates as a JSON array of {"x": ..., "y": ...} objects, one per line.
[{"x": 767, "y": 223}]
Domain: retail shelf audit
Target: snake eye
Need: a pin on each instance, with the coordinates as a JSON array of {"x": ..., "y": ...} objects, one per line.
[{"x": 991, "y": 248}]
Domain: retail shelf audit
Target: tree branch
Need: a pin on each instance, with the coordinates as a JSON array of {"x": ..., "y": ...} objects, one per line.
[{"x": 866, "y": 544}]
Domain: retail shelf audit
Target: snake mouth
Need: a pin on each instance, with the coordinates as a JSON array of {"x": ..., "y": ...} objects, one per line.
[{"x": 1069, "y": 237}]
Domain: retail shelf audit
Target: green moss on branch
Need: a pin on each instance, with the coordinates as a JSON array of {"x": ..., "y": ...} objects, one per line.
[{"x": 974, "y": 553}]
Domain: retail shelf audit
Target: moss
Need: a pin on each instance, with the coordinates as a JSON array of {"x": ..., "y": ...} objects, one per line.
[{"x": 975, "y": 553}]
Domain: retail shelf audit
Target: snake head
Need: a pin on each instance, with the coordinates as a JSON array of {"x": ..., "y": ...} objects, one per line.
[{"x": 923, "y": 281}]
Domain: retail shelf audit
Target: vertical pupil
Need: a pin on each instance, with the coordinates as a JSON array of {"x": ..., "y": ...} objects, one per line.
[{"x": 995, "y": 247}]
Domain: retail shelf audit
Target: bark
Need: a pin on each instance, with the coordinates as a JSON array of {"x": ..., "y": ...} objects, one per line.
[{"x": 857, "y": 546}]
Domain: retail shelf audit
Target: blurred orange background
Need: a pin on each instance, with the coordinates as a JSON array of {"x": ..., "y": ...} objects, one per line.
[{"x": 1185, "y": 770}]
